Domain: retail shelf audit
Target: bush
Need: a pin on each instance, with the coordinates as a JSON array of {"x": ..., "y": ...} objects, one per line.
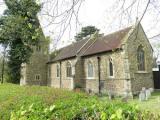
[
  {"x": 82, "y": 108},
  {"x": 44, "y": 103}
]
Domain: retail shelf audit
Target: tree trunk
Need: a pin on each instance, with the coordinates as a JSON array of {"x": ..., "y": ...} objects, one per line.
[{"x": 3, "y": 64}]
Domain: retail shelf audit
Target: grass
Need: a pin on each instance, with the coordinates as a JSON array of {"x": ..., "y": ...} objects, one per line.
[
  {"x": 152, "y": 104},
  {"x": 13, "y": 97}
]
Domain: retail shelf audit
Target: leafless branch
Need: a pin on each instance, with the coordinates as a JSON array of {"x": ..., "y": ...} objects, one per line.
[
  {"x": 144, "y": 11},
  {"x": 60, "y": 15},
  {"x": 157, "y": 35}
]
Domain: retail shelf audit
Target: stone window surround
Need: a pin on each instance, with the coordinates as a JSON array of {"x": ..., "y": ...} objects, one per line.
[
  {"x": 69, "y": 77},
  {"x": 90, "y": 61},
  {"x": 57, "y": 66},
  {"x": 49, "y": 71},
  {"x": 37, "y": 77},
  {"x": 110, "y": 60},
  {"x": 141, "y": 71}
]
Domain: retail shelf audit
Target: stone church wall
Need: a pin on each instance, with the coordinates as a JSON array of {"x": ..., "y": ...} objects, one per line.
[
  {"x": 115, "y": 84},
  {"x": 126, "y": 75},
  {"x": 36, "y": 68},
  {"x": 139, "y": 79},
  {"x": 66, "y": 82}
]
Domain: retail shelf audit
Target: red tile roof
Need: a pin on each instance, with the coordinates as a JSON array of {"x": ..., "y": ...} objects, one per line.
[{"x": 102, "y": 44}]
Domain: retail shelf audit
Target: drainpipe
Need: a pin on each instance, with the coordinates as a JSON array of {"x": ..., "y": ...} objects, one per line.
[
  {"x": 99, "y": 75},
  {"x": 60, "y": 75}
]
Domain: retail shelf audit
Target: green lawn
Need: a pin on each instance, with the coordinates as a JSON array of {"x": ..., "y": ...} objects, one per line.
[
  {"x": 152, "y": 104},
  {"x": 34, "y": 101},
  {"x": 12, "y": 97}
]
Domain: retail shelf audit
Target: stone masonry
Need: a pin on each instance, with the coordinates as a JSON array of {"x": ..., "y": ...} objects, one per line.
[
  {"x": 126, "y": 76},
  {"x": 35, "y": 71}
]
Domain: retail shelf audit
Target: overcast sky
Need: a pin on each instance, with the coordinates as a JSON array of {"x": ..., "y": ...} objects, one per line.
[{"x": 105, "y": 15}]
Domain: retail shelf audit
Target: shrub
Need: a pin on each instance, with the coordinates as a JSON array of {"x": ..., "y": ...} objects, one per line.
[
  {"x": 82, "y": 108},
  {"x": 44, "y": 103}
]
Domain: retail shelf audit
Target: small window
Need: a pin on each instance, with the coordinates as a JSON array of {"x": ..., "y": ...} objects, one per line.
[
  {"x": 49, "y": 71},
  {"x": 38, "y": 48},
  {"x": 37, "y": 77},
  {"x": 58, "y": 71},
  {"x": 140, "y": 58},
  {"x": 110, "y": 68},
  {"x": 90, "y": 70},
  {"x": 69, "y": 69}
]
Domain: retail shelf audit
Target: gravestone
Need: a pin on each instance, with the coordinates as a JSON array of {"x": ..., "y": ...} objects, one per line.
[
  {"x": 110, "y": 95},
  {"x": 142, "y": 95},
  {"x": 126, "y": 96},
  {"x": 151, "y": 90},
  {"x": 124, "y": 99},
  {"x": 143, "y": 89},
  {"x": 148, "y": 93},
  {"x": 145, "y": 94}
]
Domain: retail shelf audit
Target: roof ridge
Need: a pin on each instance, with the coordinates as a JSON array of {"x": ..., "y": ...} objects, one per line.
[
  {"x": 118, "y": 31},
  {"x": 89, "y": 37},
  {"x": 87, "y": 47}
]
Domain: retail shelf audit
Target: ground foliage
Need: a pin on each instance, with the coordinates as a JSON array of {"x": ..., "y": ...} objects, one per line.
[
  {"x": 44, "y": 103},
  {"x": 82, "y": 108}
]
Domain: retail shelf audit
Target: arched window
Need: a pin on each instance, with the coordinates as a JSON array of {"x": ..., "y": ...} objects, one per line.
[
  {"x": 58, "y": 71},
  {"x": 69, "y": 69},
  {"x": 141, "y": 58},
  {"x": 110, "y": 67},
  {"x": 90, "y": 69}
]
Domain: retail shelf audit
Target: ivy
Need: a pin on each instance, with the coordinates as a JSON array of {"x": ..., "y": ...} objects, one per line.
[{"x": 20, "y": 30}]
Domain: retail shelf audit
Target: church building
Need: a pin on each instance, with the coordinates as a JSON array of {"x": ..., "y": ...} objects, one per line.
[{"x": 117, "y": 62}]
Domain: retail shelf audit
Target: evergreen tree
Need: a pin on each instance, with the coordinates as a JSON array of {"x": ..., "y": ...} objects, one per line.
[
  {"x": 19, "y": 30},
  {"x": 85, "y": 31}
]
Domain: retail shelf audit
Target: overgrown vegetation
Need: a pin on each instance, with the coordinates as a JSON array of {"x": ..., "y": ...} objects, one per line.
[
  {"x": 19, "y": 30},
  {"x": 44, "y": 103}
]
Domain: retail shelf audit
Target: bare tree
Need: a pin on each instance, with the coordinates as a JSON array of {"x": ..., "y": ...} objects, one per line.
[
  {"x": 59, "y": 15},
  {"x": 129, "y": 10}
]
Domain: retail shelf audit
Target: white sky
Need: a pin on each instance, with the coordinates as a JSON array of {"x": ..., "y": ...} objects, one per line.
[{"x": 104, "y": 14}]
